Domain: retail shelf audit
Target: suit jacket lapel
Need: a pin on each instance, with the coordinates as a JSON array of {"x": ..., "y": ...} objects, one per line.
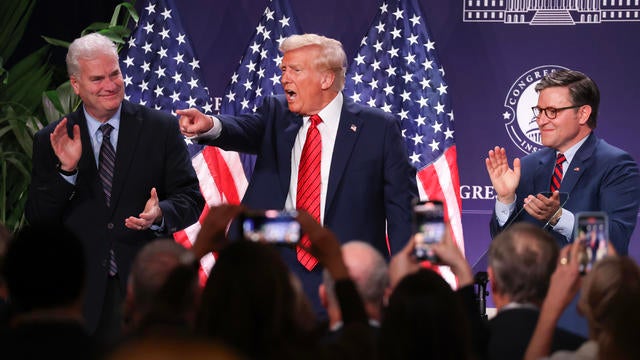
[
  {"x": 578, "y": 164},
  {"x": 88, "y": 158},
  {"x": 546, "y": 165},
  {"x": 88, "y": 173},
  {"x": 131, "y": 124},
  {"x": 349, "y": 129},
  {"x": 291, "y": 123}
]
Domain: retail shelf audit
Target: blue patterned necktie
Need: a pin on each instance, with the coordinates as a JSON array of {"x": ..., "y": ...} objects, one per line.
[
  {"x": 106, "y": 165},
  {"x": 106, "y": 162}
]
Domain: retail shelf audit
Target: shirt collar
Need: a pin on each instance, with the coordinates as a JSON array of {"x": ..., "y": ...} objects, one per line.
[
  {"x": 571, "y": 152},
  {"x": 93, "y": 124},
  {"x": 330, "y": 114}
]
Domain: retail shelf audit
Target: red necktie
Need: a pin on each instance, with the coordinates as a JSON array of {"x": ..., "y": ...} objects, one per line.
[
  {"x": 308, "y": 195},
  {"x": 556, "y": 179}
]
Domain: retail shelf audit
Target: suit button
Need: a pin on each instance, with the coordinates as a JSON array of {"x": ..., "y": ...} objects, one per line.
[{"x": 110, "y": 226}]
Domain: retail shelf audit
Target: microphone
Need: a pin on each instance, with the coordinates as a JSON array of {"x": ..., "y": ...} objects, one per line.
[
  {"x": 513, "y": 218},
  {"x": 481, "y": 278},
  {"x": 564, "y": 198}
]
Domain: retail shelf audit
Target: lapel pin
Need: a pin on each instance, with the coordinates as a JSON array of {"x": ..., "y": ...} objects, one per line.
[
  {"x": 353, "y": 127},
  {"x": 576, "y": 169}
]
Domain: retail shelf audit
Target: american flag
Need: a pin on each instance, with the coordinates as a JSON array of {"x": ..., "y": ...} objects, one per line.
[
  {"x": 161, "y": 70},
  {"x": 397, "y": 70},
  {"x": 258, "y": 74}
]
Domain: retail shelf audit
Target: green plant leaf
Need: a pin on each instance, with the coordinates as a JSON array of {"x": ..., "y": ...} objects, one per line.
[
  {"x": 14, "y": 184},
  {"x": 20, "y": 131},
  {"x": 18, "y": 160},
  {"x": 131, "y": 12},
  {"x": 56, "y": 42},
  {"x": 51, "y": 105},
  {"x": 118, "y": 33},
  {"x": 14, "y": 16},
  {"x": 60, "y": 101},
  {"x": 3, "y": 73},
  {"x": 96, "y": 26},
  {"x": 28, "y": 79}
]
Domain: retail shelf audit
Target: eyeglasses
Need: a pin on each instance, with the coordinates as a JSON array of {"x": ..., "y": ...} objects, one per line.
[{"x": 551, "y": 112}]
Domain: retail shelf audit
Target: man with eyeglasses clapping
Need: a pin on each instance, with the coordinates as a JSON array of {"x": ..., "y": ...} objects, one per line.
[{"x": 591, "y": 174}]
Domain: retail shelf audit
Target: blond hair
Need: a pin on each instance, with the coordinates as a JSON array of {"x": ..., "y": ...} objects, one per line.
[
  {"x": 332, "y": 56},
  {"x": 611, "y": 303}
]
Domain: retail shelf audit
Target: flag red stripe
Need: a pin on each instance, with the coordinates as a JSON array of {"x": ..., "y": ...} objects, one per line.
[
  {"x": 221, "y": 174},
  {"x": 433, "y": 189},
  {"x": 452, "y": 159}
]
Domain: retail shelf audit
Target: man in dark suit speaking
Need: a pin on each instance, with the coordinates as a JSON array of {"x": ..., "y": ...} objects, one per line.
[
  {"x": 116, "y": 174},
  {"x": 354, "y": 157},
  {"x": 597, "y": 176}
]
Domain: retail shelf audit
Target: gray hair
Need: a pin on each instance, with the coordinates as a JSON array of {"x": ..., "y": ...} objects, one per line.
[
  {"x": 88, "y": 47},
  {"x": 332, "y": 55},
  {"x": 151, "y": 268},
  {"x": 367, "y": 268},
  {"x": 522, "y": 258}
]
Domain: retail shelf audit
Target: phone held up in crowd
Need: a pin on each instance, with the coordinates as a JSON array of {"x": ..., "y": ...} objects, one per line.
[
  {"x": 429, "y": 227},
  {"x": 592, "y": 230},
  {"x": 278, "y": 227}
]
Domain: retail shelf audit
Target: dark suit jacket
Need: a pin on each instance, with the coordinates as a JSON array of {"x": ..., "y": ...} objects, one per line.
[
  {"x": 150, "y": 152},
  {"x": 601, "y": 177},
  {"x": 371, "y": 182},
  {"x": 511, "y": 330}
]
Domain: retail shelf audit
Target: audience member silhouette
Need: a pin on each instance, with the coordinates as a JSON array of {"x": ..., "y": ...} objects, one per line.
[
  {"x": 253, "y": 307},
  {"x": 369, "y": 271},
  {"x": 424, "y": 317},
  {"x": 521, "y": 261},
  {"x": 45, "y": 273},
  {"x": 162, "y": 291},
  {"x": 249, "y": 301},
  {"x": 609, "y": 301},
  {"x": 173, "y": 349}
]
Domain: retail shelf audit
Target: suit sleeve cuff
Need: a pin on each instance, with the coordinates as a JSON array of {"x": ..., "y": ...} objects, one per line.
[{"x": 503, "y": 211}]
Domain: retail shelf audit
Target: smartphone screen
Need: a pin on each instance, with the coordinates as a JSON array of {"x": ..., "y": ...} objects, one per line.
[
  {"x": 271, "y": 226},
  {"x": 592, "y": 230},
  {"x": 428, "y": 228}
]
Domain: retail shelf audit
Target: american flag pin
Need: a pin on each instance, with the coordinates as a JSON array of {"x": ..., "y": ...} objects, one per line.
[
  {"x": 576, "y": 169},
  {"x": 353, "y": 128}
]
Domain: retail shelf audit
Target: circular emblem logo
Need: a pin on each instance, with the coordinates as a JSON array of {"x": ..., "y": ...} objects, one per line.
[{"x": 519, "y": 121}]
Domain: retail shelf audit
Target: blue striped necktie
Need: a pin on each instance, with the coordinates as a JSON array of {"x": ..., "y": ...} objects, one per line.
[
  {"x": 106, "y": 162},
  {"x": 106, "y": 165}
]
